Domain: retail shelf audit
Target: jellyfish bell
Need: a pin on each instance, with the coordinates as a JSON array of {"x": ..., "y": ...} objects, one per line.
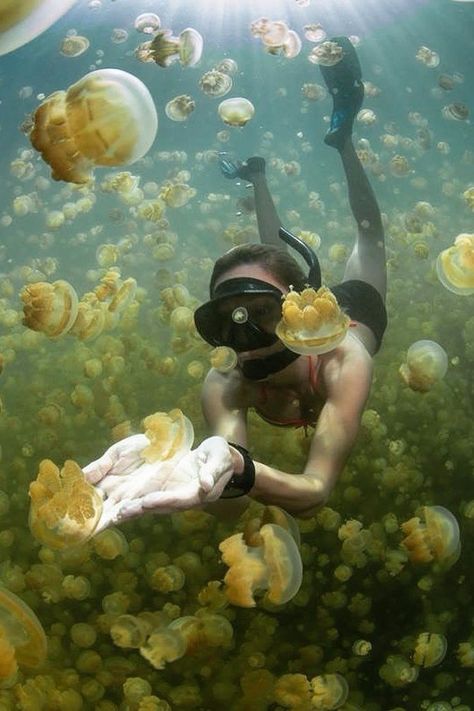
[
  {"x": 74, "y": 46},
  {"x": 190, "y": 47},
  {"x": 428, "y": 57},
  {"x": 430, "y": 649},
  {"x": 455, "y": 112},
  {"x": 312, "y": 322},
  {"x": 49, "y": 308},
  {"x": 22, "y": 637},
  {"x": 327, "y": 54},
  {"x": 329, "y": 691},
  {"x": 426, "y": 365},
  {"x": 314, "y": 32},
  {"x": 227, "y": 66},
  {"x": 215, "y": 83},
  {"x": 236, "y": 111},
  {"x": 147, "y": 23},
  {"x": 455, "y": 266},
  {"x": 106, "y": 118},
  {"x": 433, "y": 537},
  {"x": 180, "y": 108},
  {"x": 23, "y": 20}
]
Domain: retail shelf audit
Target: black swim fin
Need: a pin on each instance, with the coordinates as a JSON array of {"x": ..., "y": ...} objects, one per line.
[
  {"x": 236, "y": 169},
  {"x": 344, "y": 82}
]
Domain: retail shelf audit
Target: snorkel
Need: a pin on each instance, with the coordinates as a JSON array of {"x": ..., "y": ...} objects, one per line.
[{"x": 261, "y": 368}]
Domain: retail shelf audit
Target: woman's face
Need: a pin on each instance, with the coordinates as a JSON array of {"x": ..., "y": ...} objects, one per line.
[{"x": 263, "y": 310}]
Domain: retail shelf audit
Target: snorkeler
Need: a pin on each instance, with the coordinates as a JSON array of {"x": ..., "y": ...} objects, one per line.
[{"x": 326, "y": 392}]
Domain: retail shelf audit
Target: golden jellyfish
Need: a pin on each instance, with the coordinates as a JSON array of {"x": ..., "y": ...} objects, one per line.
[
  {"x": 227, "y": 66},
  {"x": 314, "y": 32},
  {"x": 313, "y": 92},
  {"x": 327, "y": 54},
  {"x": 428, "y": 57},
  {"x": 65, "y": 509},
  {"x": 23, "y": 20},
  {"x": 434, "y": 537},
  {"x": 215, "y": 83},
  {"x": 426, "y": 365},
  {"x": 312, "y": 321},
  {"x": 399, "y": 166},
  {"x": 170, "y": 435},
  {"x": 223, "y": 359},
  {"x": 328, "y": 691},
  {"x": 273, "y": 566},
  {"x": 430, "y": 649},
  {"x": 106, "y": 118},
  {"x": 455, "y": 265},
  {"x": 90, "y": 320},
  {"x": 147, "y": 22},
  {"x": 456, "y": 112},
  {"x": 124, "y": 296},
  {"x": 179, "y": 108},
  {"x": 22, "y": 639},
  {"x": 49, "y": 308},
  {"x": 177, "y": 194},
  {"x": 366, "y": 117},
  {"x": 165, "y": 49},
  {"x": 468, "y": 197},
  {"x": 74, "y": 46},
  {"x": 236, "y": 111}
]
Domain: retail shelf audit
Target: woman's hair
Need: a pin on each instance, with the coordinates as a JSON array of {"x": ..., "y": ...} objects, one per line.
[{"x": 277, "y": 261}]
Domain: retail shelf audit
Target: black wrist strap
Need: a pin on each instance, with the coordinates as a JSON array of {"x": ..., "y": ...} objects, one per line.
[{"x": 240, "y": 484}]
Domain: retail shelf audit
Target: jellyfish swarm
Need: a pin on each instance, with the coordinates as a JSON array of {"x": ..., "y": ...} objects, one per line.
[
  {"x": 273, "y": 566},
  {"x": 455, "y": 266},
  {"x": 434, "y": 539},
  {"x": 65, "y": 509},
  {"x": 23, "y": 20},
  {"x": 22, "y": 638},
  {"x": 426, "y": 364},
  {"x": 106, "y": 118},
  {"x": 312, "y": 321}
]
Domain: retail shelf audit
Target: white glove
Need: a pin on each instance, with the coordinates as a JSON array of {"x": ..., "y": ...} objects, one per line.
[{"x": 176, "y": 484}]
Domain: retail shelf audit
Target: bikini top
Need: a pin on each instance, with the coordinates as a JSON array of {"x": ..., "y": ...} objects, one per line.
[{"x": 300, "y": 421}]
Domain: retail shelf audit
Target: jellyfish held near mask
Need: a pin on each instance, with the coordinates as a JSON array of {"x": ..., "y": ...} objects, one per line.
[
  {"x": 426, "y": 365},
  {"x": 455, "y": 266},
  {"x": 107, "y": 118},
  {"x": 23, "y": 20},
  {"x": 312, "y": 321}
]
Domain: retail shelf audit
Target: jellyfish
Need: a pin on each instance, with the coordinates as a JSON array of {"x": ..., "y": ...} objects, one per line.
[
  {"x": 65, "y": 509},
  {"x": 273, "y": 566},
  {"x": 179, "y": 108},
  {"x": 236, "y": 112},
  {"x": 435, "y": 538},
  {"x": 314, "y": 32},
  {"x": 428, "y": 57},
  {"x": 430, "y": 649},
  {"x": 23, "y": 20},
  {"x": 177, "y": 194},
  {"x": 74, "y": 45},
  {"x": 49, "y": 308},
  {"x": 170, "y": 435},
  {"x": 106, "y": 118},
  {"x": 227, "y": 66},
  {"x": 457, "y": 111},
  {"x": 399, "y": 166},
  {"x": 328, "y": 54},
  {"x": 215, "y": 83},
  {"x": 22, "y": 638},
  {"x": 328, "y": 691},
  {"x": 147, "y": 22},
  {"x": 426, "y": 365},
  {"x": 366, "y": 117},
  {"x": 312, "y": 321},
  {"x": 90, "y": 320},
  {"x": 165, "y": 49},
  {"x": 223, "y": 359},
  {"x": 455, "y": 265}
]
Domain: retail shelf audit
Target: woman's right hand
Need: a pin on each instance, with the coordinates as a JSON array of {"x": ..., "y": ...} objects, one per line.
[{"x": 121, "y": 458}]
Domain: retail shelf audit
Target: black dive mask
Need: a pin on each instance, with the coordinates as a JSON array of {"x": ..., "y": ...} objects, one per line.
[{"x": 243, "y": 312}]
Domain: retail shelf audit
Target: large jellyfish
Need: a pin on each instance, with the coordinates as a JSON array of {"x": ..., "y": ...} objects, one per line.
[
  {"x": 426, "y": 365},
  {"x": 455, "y": 266},
  {"x": 23, "y": 20},
  {"x": 106, "y": 118},
  {"x": 22, "y": 638}
]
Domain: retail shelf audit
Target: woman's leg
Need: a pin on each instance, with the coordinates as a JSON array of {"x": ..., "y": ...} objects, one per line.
[{"x": 367, "y": 261}]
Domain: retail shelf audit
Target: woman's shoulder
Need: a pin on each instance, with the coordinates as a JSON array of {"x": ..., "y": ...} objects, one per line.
[{"x": 351, "y": 356}]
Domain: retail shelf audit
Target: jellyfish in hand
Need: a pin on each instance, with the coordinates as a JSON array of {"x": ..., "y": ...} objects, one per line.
[
  {"x": 312, "y": 321},
  {"x": 426, "y": 365}
]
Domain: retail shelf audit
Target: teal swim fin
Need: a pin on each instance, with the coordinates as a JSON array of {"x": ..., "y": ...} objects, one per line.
[
  {"x": 232, "y": 169},
  {"x": 344, "y": 82}
]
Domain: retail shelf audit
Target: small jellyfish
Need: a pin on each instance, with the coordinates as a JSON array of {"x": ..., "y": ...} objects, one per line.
[
  {"x": 312, "y": 321},
  {"x": 327, "y": 54},
  {"x": 236, "y": 112},
  {"x": 227, "y": 66},
  {"x": 428, "y": 57},
  {"x": 119, "y": 35},
  {"x": 456, "y": 112},
  {"x": 21, "y": 22},
  {"x": 446, "y": 82},
  {"x": 435, "y": 538},
  {"x": 49, "y": 308},
  {"x": 314, "y": 32},
  {"x": 399, "y": 166},
  {"x": 165, "y": 49},
  {"x": 215, "y": 83},
  {"x": 74, "y": 45},
  {"x": 366, "y": 117},
  {"x": 223, "y": 359},
  {"x": 180, "y": 108},
  {"x": 328, "y": 691},
  {"x": 455, "y": 265},
  {"x": 430, "y": 649},
  {"x": 313, "y": 92},
  {"x": 22, "y": 638},
  {"x": 65, "y": 509},
  {"x": 170, "y": 435},
  {"x": 99, "y": 120},
  {"x": 273, "y": 566},
  {"x": 426, "y": 365},
  {"x": 147, "y": 22}
]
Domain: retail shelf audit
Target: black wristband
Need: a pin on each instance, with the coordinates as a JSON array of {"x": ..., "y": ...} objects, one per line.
[{"x": 240, "y": 484}]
